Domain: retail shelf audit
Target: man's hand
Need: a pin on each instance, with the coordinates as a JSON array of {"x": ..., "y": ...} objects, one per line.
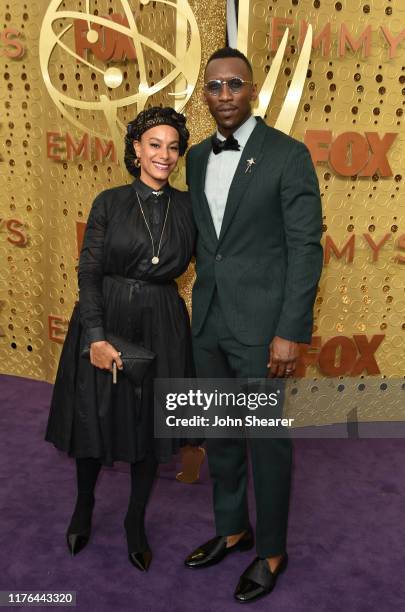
[
  {"x": 283, "y": 356},
  {"x": 102, "y": 355}
]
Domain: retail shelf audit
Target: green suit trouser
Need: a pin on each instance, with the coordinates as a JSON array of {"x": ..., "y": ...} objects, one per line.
[{"x": 218, "y": 354}]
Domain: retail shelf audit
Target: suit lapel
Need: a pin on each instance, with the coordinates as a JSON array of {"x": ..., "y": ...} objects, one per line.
[
  {"x": 244, "y": 173},
  {"x": 202, "y": 198}
]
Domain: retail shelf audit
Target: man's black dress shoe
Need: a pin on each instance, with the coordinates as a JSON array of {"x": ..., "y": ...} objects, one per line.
[
  {"x": 215, "y": 550},
  {"x": 257, "y": 580},
  {"x": 141, "y": 560}
]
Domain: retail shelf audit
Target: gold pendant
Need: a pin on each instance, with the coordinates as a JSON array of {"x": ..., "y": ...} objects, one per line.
[{"x": 155, "y": 260}]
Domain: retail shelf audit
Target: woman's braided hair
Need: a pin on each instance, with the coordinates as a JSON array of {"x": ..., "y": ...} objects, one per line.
[{"x": 147, "y": 119}]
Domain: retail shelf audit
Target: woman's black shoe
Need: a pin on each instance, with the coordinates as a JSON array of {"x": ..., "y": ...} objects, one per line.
[
  {"x": 141, "y": 560},
  {"x": 139, "y": 552},
  {"x": 215, "y": 550},
  {"x": 79, "y": 529},
  {"x": 77, "y": 541}
]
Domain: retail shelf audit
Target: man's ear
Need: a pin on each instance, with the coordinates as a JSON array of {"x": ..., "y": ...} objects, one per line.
[{"x": 254, "y": 94}]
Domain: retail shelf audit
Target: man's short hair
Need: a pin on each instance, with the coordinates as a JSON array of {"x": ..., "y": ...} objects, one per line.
[{"x": 229, "y": 52}]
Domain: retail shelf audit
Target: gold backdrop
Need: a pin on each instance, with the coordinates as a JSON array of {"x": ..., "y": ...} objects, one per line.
[{"x": 57, "y": 153}]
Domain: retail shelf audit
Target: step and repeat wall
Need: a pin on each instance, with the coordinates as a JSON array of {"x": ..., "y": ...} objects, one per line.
[{"x": 330, "y": 73}]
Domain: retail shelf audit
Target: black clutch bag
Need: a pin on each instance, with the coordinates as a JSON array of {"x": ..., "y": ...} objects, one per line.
[{"x": 136, "y": 358}]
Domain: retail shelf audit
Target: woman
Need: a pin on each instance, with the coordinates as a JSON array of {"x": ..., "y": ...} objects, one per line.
[{"x": 138, "y": 239}]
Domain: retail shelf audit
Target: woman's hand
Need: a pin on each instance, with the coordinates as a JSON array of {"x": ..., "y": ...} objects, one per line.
[{"x": 102, "y": 355}]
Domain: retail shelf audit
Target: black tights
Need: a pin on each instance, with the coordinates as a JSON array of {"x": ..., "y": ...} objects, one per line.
[{"x": 142, "y": 477}]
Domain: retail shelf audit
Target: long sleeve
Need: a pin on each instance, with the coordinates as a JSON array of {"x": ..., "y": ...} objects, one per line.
[
  {"x": 188, "y": 179},
  {"x": 188, "y": 163},
  {"x": 91, "y": 272},
  {"x": 302, "y": 215}
]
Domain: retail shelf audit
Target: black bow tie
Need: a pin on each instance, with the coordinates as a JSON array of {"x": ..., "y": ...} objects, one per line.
[{"x": 230, "y": 144}]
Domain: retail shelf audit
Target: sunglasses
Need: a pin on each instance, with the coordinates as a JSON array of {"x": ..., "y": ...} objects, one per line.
[{"x": 235, "y": 84}]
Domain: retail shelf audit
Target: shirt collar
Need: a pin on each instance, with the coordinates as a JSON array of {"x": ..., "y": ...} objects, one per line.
[
  {"x": 243, "y": 132},
  {"x": 144, "y": 191}
]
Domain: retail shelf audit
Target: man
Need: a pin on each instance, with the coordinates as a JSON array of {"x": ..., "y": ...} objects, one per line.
[{"x": 257, "y": 208}]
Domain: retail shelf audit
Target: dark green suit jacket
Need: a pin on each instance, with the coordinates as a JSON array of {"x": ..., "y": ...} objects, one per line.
[{"x": 268, "y": 259}]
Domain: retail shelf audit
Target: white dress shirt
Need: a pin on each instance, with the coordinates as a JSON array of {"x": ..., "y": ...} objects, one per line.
[{"x": 220, "y": 172}]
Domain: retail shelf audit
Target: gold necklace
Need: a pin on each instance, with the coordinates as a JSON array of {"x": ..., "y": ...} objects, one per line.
[{"x": 155, "y": 258}]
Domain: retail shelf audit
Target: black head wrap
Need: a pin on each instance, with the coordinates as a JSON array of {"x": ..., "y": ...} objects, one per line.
[{"x": 147, "y": 119}]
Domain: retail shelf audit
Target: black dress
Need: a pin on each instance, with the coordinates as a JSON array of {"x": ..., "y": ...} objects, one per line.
[{"x": 122, "y": 292}]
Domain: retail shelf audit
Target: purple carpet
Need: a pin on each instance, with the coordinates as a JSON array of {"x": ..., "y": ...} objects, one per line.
[{"x": 346, "y": 535}]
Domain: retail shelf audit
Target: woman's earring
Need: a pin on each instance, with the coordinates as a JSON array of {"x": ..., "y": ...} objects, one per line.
[{"x": 137, "y": 163}]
